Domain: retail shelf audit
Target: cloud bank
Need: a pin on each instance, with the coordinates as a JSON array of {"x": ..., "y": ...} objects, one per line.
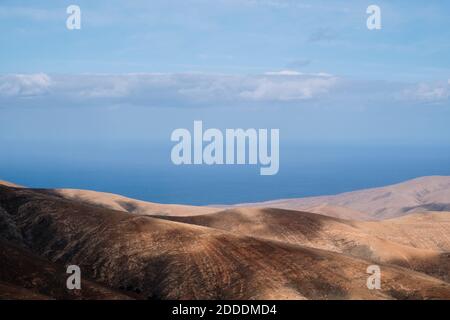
[
  {"x": 20, "y": 85},
  {"x": 207, "y": 90},
  {"x": 429, "y": 92},
  {"x": 161, "y": 89}
]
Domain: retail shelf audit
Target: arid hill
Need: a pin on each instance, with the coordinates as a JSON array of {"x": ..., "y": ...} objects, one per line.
[
  {"x": 426, "y": 194},
  {"x": 9, "y": 184},
  {"x": 414, "y": 196},
  {"x": 391, "y": 241},
  {"x": 24, "y": 275},
  {"x": 116, "y": 202},
  {"x": 154, "y": 258}
]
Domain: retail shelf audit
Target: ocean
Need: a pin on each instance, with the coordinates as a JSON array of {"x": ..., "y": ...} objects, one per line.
[{"x": 144, "y": 171}]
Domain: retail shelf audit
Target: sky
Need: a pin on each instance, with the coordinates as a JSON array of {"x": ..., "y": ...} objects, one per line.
[
  {"x": 137, "y": 70},
  {"x": 228, "y": 36}
]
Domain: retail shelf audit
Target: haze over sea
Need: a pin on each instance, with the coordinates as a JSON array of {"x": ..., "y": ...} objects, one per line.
[{"x": 144, "y": 171}]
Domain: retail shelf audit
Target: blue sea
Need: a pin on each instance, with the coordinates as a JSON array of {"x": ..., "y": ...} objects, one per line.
[{"x": 144, "y": 171}]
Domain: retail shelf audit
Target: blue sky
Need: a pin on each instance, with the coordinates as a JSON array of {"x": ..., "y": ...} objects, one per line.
[
  {"x": 139, "y": 69},
  {"x": 228, "y": 36}
]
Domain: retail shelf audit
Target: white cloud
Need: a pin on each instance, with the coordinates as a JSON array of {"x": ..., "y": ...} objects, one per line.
[
  {"x": 24, "y": 85},
  {"x": 284, "y": 73},
  {"x": 297, "y": 73},
  {"x": 428, "y": 92},
  {"x": 160, "y": 89},
  {"x": 295, "y": 87},
  {"x": 186, "y": 90}
]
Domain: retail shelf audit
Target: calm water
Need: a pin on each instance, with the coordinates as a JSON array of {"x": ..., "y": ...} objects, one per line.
[{"x": 145, "y": 172}]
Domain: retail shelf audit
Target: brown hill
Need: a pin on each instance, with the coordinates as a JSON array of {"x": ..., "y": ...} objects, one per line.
[
  {"x": 429, "y": 230},
  {"x": 156, "y": 258},
  {"x": 418, "y": 195},
  {"x": 409, "y": 241},
  {"x": 9, "y": 184},
  {"x": 117, "y": 202},
  {"x": 24, "y": 275}
]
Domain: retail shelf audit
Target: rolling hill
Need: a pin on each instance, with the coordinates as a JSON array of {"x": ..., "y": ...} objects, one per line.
[
  {"x": 243, "y": 253},
  {"x": 413, "y": 196},
  {"x": 396, "y": 241}
]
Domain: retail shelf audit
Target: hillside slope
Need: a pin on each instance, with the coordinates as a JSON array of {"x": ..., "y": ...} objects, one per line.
[
  {"x": 417, "y": 195},
  {"x": 391, "y": 241},
  {"x": 156, "y": 258}
]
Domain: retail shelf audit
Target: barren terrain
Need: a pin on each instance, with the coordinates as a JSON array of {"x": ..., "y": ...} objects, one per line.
[{"x": 151, "y": 252}]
